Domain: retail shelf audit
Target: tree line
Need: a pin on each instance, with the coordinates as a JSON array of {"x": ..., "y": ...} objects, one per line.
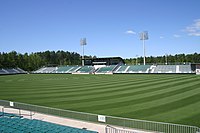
[
  {"x": 34, "y": 61},
  {"x": 166, "y": 59}
]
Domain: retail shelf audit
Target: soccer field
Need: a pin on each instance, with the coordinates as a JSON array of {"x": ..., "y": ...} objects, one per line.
[{"x": 165, "y": 98}]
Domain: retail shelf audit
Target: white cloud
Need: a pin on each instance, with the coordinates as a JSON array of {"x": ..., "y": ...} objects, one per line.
[
  {"x": 130, "y": 32},
  {"x": 176, "y": 36},
  {"x": 194, "y": 29},
  {"x": 161, "y": 37}
]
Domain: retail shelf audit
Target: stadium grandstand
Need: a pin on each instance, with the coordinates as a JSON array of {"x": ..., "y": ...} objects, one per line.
[
  {"x": 121, "y": 69},
  {"x": 7, "y": 71},
  {"x": 116, "y": 65},
  {"x": 12, "y": 123}
]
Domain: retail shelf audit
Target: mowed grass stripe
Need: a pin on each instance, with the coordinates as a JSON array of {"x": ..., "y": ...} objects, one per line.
[
  {"x": 114, "y": 102},
  {"x": 194, "y": 118},
  {"x": 50, "y": 96},
  {"x": 185, "y": 112},
  {"x": 54, "y": 100},
  {"x": 120, "y": 111},
  {"x": 57, "y": 95},
  {"x": 100, "y": 90},
  {"x": 62, "y": 90},
  {"x": 118, "y": 96},
  {"x": 69, "y": 87},
  {"x": 45, "y": 100},
  {"x": 165, "y": 108},
  {"x": 76, "y": 83},
  {"x": 74, "y": 78}
]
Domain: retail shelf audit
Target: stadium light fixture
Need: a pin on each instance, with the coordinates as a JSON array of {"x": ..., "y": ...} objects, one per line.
[
  {"x": 82, "y": 43},
  {"x": 143, "y": 37}
]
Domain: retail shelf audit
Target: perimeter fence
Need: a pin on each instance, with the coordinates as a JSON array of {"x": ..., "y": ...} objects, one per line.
[
  {"x": 110, "y": 129},
  {"x": 108, "y": 120}
]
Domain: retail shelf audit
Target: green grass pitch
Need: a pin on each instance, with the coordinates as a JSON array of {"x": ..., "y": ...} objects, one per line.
[{"x": 165, "y": 98}]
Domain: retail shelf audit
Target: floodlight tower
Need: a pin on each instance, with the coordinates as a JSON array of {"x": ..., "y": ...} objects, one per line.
[
  {"x": 143, "y": 37},
  {"x": 82, "y": 43},
  {"x": 136, "y": 60},
  {"x": 166, "y": 59}
]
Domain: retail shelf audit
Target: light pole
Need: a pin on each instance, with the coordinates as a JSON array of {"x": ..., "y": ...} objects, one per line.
[
  {"x": 136, "y": 59},
  {"x": 82, "y": 43},
  {"x": 143, "y": 37},
  {"x": 166, "y": 62}
]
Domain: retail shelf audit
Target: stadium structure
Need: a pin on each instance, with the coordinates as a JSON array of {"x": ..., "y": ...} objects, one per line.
[
  {"x": 116, "y": 65},
  {"x": 8, "y": 71},
  {"x": 18, "y": 122}
]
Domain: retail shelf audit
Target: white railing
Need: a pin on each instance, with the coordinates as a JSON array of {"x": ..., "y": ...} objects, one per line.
[{"x": 110, "y": 129}]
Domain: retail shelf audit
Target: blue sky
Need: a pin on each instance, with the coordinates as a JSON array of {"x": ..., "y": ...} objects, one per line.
[{"x": 111, "y": 27}]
